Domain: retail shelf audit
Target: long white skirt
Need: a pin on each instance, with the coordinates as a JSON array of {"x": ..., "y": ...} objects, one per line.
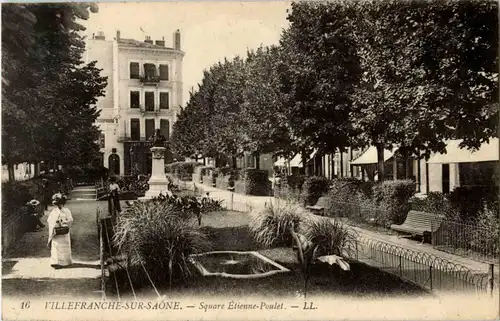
[{"x": 60, "y": 252}]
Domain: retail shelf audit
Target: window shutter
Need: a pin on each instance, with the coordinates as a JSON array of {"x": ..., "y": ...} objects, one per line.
[
  {"x": 165, "y": 128},
  {"x": 150, "y": 101},
  {"x": 135, "y": 129},
  {"x": 134, "y": 70},
  {"x": 150, "y": 128},
  {"x": 164, "y": 104},
  {"x": 134, "y": 99},
  {"x": 163, "y": 72}
]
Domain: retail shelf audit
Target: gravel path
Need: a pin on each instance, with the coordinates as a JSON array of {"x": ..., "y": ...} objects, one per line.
[{"x": 26, "y": 271}]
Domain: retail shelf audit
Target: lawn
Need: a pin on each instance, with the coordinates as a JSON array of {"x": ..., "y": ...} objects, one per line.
[{"x": 229, "y": 231}]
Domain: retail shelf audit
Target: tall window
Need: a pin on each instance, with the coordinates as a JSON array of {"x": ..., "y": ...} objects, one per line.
[
  {"x": 165, "y": 128},
  {"x": 149, "y": 70},
  {"x": 164, "y": 101},
  {"x": 163, "y": 72},
  {"x": 134, "y": 70},
  {"x": 150, "y": 128},
  {"x": 134, "y": 99},
  {"x": 150, "y": 101},
  {"x": 135, "y": 129}
]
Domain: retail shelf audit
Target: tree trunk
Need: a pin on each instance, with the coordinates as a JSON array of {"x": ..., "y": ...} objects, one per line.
[
  {"x": 204, "y": 161},
  {"x": 10, "y": 169},
  {"x": 394, "y": 167},
  {"x": 341, "y": 164},
  {"x": 233, "y": 162},
  {"x": 380, "y": 162},
  {"x": 407, "y": 167},
  {"x": 304, "y": 163}
]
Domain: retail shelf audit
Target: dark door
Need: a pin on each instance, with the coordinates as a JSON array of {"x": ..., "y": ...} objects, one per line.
[
  {"x": 446, "y": 178},
  {"x": 114, "y": 164}
]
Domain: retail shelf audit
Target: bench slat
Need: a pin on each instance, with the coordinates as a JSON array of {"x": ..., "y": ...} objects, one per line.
[{"x": 418, "y": 223}]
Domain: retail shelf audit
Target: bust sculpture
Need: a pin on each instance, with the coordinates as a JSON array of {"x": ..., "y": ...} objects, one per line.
[{"x": 158, "y": 139}]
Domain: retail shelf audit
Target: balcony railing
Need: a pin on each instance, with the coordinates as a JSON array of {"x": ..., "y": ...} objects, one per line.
[{"x": 149, "y": 80}]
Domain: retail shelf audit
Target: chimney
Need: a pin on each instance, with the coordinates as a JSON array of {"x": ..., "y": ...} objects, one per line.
[
  {"x": 161, "y": 42},
  {"x": 117, "y": 35},
  {"x": 148, "y": 40},
  {"x": 100, "y": 36},
  {"x": 177, "y": 40}
]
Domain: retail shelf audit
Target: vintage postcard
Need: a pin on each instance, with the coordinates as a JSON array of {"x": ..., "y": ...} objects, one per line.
[{"x": 250, "y": 160}]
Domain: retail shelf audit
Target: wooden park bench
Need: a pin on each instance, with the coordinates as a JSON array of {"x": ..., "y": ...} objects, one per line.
[
  {"x": 419, "y": 224},
  {"x": 320, "y": 206}
]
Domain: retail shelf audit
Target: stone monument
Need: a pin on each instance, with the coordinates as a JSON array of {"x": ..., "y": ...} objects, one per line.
[{"x": 158, "y": 183}]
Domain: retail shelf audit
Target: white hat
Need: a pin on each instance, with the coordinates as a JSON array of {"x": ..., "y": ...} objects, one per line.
[
  {"x": 57, "y": 198},
  {"x": 33, "y": 202}
]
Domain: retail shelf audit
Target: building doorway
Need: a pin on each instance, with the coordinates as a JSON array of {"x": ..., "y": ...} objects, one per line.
[
  {"x": 446, "y": 178},
  {"x": 114, "y": 164}
]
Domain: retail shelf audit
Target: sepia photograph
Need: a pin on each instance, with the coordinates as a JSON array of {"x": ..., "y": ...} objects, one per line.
[{"x": 250, "y": 160}]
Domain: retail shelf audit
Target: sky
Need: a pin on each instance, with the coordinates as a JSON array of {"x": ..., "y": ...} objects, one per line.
[{"x": 210, "y": 31}]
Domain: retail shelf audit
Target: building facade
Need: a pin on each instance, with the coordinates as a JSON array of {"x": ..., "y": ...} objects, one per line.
[{"x": 144, "y": 93}]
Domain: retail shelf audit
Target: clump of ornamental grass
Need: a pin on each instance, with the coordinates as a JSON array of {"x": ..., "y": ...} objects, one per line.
[
  {"x": 270, "y": 227},
  {"x": 331, "y": 237},
  {"x": 158, "y": 236}
]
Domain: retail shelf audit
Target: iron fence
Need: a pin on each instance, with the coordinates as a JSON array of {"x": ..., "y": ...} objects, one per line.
[
  {"x": 425, "y": 270},
  {"x": 468, "y": 239}
]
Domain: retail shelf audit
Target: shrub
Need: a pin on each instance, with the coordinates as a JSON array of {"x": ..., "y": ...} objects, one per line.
[
  {"x": 486, "y": 236},
  {"x": 331, "y": 237},
  {"x": 392, "y": 197},
  {"x": 352, "y": 198},
  {"x": 470, "y": 200},
  {"x": 295, "y": 182},
  {"x": 156, "y": 234},
  {"x": 313, "y": 188},
  {"x": 256, "y": 182},
  {"x": 270, "y": 226},
  {"x": 182, "y": 169},
  {"x": 343, "y": 189},
  {"x": 436, "y": 203}
]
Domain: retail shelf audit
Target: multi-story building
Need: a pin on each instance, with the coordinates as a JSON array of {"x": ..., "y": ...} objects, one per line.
[{"x": 144, "y": 93}]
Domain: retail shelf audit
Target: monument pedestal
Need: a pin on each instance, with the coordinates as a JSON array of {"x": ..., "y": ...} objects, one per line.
[{"x": 158, "y": 183}]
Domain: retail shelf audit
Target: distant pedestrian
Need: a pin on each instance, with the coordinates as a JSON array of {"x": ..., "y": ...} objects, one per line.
[
  {"x": 60, "y": 221},
  {"x": 114, "y": 197},
  {"x": 47, "y": 194}
]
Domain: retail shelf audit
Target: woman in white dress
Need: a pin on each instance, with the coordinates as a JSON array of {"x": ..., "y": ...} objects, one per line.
[{"x": 59, "y": 244}]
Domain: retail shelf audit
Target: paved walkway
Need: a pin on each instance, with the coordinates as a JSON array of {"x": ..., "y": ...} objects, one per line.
[
  {"x": 260, "y": 201},
  {"x": 26, "y": 271}
]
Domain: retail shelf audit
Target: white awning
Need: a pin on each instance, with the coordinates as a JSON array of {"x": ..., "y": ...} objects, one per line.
[
  {"x": 280, "y": 162},
  {"x": 370, "y": 157},
  {"x": 296, "y": 161},
  {"x": 488, "y": 152}
]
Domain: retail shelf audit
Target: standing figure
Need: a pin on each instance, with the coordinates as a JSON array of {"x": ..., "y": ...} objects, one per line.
[
  {"x": 114, "y": 197},
  {"x": 59, "y": 222},
  {"x": 34, "y": 215}
]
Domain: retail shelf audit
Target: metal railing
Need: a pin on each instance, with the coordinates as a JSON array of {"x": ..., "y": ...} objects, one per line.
[
  {"x": 468, "y": 240},
  {"x": 426, "y": 270}
]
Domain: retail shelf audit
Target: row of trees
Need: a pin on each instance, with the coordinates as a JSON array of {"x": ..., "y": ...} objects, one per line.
[
  {"x": 406, "y": 74},
  {"x": 48, "y": 93}
]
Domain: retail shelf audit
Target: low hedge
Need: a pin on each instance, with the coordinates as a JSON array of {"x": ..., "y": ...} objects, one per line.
[
  {"x": 392, "y": 197},
  {"x": 182, "y": 169},
  {"x": 313, "y": 188},
  {"x": 256, "y": 182},
  {"x": 351, "y": 198},
  {"x": 470, "y": 200}
]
